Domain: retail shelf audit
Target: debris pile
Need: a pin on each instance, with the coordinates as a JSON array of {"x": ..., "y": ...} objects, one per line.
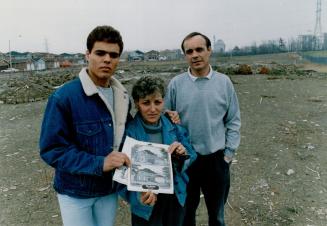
[
  {"x": 31, "y": 88},
  {"x": 265, "y": 69},
  {"x": 36, "y": 86}
]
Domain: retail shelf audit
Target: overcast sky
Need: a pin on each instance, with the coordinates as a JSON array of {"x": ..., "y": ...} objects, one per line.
[{"x": 151, "y": 24}]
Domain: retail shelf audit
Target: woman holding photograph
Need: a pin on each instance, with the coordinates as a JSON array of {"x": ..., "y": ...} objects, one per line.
[{"x": 151, "y": 125}]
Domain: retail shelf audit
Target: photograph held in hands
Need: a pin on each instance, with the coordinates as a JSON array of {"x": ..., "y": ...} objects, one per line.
[{"x": 151, "y": 167}]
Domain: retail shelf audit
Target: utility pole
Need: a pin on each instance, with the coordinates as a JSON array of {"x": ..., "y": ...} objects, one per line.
[
  {"x": 214, "y": 43},
  {"x": 10, "y": 61},
  {"x": 46, "y": 45}
]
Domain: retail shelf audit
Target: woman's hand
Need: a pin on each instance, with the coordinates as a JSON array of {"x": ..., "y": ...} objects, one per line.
[
  {"x": 178, "y": 148},
  {"x": 148, "y": 198}
]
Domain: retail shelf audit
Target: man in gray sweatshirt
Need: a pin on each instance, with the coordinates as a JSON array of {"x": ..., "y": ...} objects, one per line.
[{"x": 208, "y": 107}]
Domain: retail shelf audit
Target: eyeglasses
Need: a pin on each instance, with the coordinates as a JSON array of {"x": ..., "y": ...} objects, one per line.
[
  {"x": 102, "y": 53},
  {"x": 198, "y": 50}
]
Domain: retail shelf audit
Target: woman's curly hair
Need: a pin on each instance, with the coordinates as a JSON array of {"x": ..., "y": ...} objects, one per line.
[{"x": 148, "y": 85}]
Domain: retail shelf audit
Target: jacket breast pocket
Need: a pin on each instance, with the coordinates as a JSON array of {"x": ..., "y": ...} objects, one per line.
[{"x": 89, "y": 136}]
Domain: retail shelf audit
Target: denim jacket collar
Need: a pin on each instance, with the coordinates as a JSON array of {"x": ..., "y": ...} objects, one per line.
[
  {"x": 121, "y": 103},
  {"x": 90, "y": 88}
]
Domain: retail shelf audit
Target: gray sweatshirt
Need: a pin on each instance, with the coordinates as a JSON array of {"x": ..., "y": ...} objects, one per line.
[{"x": 209, "y": 109}]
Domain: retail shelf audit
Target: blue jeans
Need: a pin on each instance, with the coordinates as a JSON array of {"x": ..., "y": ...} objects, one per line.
[{"x": 99, "y": 211}]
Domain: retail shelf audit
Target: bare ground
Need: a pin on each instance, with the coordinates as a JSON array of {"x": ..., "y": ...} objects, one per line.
[{"x": 279, "y": 176}]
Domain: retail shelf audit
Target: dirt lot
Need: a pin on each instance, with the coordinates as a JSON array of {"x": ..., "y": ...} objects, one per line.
[{"x": 279, "y": 176}]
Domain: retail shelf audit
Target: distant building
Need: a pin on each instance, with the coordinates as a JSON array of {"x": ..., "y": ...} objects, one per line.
[
  {"x": 73, "y": 59},
  {"x": 325, "y": 41},
  {"x": 66, "y": 63},
  {"x": 68, "y": 56},
  {"x": 218, "y": 46},
  {"x": 175, "y": 54},
  {"x": 4, "y": 64},
  {"x": 35, "y": 64},
  {"x": 151, "y": 55},
  {"x": 136, "y": 55},
  {"x": 28, "y": 61},
  {"x": 40, "y": 64},
  {"x": 38, "y": 55},
  {"x": 2, "y": 56},
  {"x": 23, "y": 64},
  {"x": 20, "y": 56},
  {"x": 52, "y": 63}
]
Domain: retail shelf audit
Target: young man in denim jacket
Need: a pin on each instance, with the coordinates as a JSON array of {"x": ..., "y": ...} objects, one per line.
[{"x": 82, "y": 129}]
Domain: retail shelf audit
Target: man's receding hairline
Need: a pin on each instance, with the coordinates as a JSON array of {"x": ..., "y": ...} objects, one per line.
[{"x": 205, "y": 42}]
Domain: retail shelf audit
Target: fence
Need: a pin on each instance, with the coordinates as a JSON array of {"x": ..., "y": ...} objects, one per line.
[{"x": 315, "y": 59}]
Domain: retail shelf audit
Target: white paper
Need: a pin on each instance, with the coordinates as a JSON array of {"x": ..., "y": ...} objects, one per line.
[{"x": 151, "y": 167}]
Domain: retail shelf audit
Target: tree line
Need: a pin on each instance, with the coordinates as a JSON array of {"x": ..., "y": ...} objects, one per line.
[{"x": 300, "y": 44}]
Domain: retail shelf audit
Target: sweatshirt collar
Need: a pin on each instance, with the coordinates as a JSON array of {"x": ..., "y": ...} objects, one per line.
[{"x": 194, "y": 78}]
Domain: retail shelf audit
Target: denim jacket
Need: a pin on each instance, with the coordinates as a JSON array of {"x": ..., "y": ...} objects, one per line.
[
  {"x": 170, "y": 133},
  {"x": 79, "y": 129}
]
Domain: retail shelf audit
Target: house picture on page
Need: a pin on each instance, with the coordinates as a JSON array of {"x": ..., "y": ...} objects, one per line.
[{"x": 151, "y": 168}]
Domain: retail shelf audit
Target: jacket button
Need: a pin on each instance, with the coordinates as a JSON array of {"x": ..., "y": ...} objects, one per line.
[{"x": 109, "y": 124}]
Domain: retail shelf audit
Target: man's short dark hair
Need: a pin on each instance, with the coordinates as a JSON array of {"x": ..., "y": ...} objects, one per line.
[
  {"x": 148, "y": 85},
  {"x": 104, "y": 34},
  {"x": 191, "y": 35}
]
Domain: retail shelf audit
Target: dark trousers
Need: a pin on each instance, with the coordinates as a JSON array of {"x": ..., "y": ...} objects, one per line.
[
  {"x": 209, "y": 173},
  {"x": 166, "y": 212}
]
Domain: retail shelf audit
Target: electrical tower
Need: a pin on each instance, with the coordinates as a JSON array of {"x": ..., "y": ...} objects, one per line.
[{"x": 318, "y": 31}]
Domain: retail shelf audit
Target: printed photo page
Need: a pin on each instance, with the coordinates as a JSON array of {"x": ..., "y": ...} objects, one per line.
[{"x": 151, "y": 167}]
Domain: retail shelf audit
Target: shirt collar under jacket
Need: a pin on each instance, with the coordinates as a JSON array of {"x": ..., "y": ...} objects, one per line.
[
  {"x": 90, "y": 88},
  {"x": 208, "y": 76}
]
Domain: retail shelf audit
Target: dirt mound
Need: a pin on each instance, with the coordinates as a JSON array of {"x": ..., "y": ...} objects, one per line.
[
  {"x": 36, "y": 86},
  {"x": 33, "y": 87},
  {"x": 269, "y": 69}
]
